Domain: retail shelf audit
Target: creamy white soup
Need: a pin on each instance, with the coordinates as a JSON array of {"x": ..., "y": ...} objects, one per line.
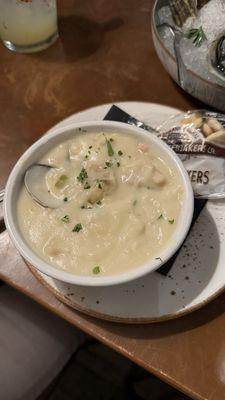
[{"x": 120, "y": 204}]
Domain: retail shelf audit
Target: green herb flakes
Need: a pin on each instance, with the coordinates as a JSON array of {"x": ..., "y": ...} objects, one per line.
[
  {"x": 171, "y": 221},
  {"x": 66, "y": 219},
  {"x": 108, "y": 164},
  {"x": 65, "y": 199},
  {"x": 134, "y": 202},
  {"x": 161, "y": 216},
  {"x": 120, "y": 153},
  {"x": 99, "y": 202},
  {"x": 96, "y": 270},
  {"x": 118, "y": 164},
  {"x": 197, "y": 35},
  {"x": 99, "y": 186},
  {"x": 86, "y": 185},
  {"x": 109, "y": 148},
  {"x": 158, "y": 258},
  {"x": 77, "y": 228},
  {"x": 111, "y": 139},
  {"x": 90, "y": 147},
  {"x": 61, "y": 181},
  {"x": 82, "y": 175}
]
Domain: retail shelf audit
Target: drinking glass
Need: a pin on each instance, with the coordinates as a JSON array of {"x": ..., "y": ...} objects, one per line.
[{"x": 28, "y": 26}]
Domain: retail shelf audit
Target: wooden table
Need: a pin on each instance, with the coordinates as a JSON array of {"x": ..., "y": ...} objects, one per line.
[{"x": 105, "y": 54}]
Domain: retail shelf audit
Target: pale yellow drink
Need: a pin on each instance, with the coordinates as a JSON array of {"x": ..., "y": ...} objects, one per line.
[{"x": 28, "y": 26}]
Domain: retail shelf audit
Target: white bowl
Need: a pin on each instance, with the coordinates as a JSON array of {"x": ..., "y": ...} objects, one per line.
[{"x": 37, "y": 150}]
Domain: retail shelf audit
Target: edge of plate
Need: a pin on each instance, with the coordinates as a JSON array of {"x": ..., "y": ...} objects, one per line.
[{"x": 111, "y": 318}]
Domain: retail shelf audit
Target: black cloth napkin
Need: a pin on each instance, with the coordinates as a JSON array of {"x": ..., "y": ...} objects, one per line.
[{"x": 116, "y": 114}]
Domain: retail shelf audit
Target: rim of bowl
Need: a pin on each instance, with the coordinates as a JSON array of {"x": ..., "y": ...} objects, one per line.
[{"x": 87, "y": 280}]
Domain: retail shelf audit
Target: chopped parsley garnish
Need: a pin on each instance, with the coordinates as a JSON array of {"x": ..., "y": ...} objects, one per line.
[
  {"x": 161, "y": 216},
  {"x": 66, "y": 218},
  {"x": 65, "y": 199},
  {"x": 118, "y": 164},
  {"x": 109, "y": 148},
  {"x": 158, "y": 258},
  {"x": 99, "y": 202},
  {"x": 86, "y": 207},
  {"x": 86, "y": 157},
  {"x": 96, "y": 270},
  {"x": 129, "y": 156},
  {"x": 111, "y": 139},
  {"x": 82, "y": 175},
  {"x": 171, "y": 221},
  {"x": 86, "y": 185},
  {"x": 98, "y": 183},
  {"x": 134, "y": 202},
  {"x": 61, "y": 181},
  {"x": 90, "y": 147},
  {"x": 108, "y": 163},
  {"x": 77, "y": 228},
  {"x": 89, "y": 152},
  {"x": 120, "y": 153}
]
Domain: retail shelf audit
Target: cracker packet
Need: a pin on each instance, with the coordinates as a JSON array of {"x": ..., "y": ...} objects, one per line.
[{"x": 198, "y": 137}]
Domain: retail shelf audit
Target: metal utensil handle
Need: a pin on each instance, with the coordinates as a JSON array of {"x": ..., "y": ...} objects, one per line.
[
  {"x": 181, "y": 68},
  {"x": 2, "y": 194}
]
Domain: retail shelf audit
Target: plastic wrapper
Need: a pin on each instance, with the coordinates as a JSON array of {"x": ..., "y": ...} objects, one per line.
[{"x": 198, "y": 137}]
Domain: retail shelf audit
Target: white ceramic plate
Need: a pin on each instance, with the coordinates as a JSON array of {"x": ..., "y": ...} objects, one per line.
[{"x": 197, "y": 276}]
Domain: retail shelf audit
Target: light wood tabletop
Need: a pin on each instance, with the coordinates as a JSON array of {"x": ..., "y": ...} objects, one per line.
[{"x": 105, "y": 54}]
